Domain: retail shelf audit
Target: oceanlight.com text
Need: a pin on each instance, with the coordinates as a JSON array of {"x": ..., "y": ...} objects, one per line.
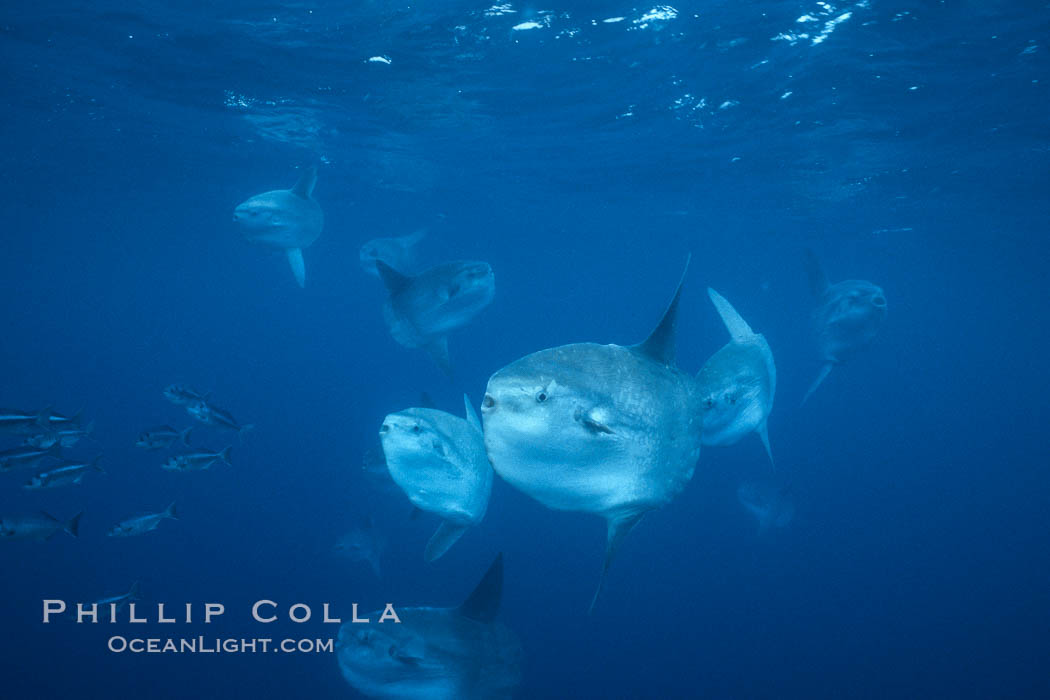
[{"x": 216, "y": 645}]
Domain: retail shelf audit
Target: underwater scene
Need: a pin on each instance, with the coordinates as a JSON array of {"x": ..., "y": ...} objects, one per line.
[{"x": 461, "y": 350}]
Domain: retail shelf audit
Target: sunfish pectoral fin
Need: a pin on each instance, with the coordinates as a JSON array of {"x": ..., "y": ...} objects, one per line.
[
  {"x": 472, "y": 415},
  {"x": 735, "y": 324},
  {"x": 305, "y": 186},
  {"x": 824, "y": 371},
  {"x": 818, "y": 281},
  {"x": 447, "y": 534},
  {"x": 660, "y": 345},
  {"x": 295, "y": 259},
  {"x": 763, "y": 432},
  {"x": 618, "y": 527}
]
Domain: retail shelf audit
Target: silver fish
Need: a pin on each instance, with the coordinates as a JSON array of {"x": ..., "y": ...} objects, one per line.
[
  {"x": 848, "y": 317},
  {"x": 28, "y": 457},
  {"x": 287, "y": 219},
  {"x": 603, "y": 429},
  {"x": 439, "y": 461},
  {"x": 196, "y": 461},
  {"x": 67, "y": 474},
  {"x": 423, "y": 309},
  {"x": 142, "y": 524},
  {"x": 460, "y": 653},
  {"x": 15, "y": 422},
  {"x": 62, "y": 436},
  {"x": 183, "y": 395},
  {"x": 42, "y": 526},
  {"x": 163, "y": 436},
  {"x": 399, "y": 253},
  {"x": 121, "y": 600},
  {"x": 737, "y": 383},
  {"x": 212, "y": 415}
]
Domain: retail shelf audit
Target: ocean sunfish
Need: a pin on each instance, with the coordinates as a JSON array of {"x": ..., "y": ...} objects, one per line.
[
  {"x": 847, "y": 318},
  {"x": 460, "y": 653},
  {"x": 439, "y": 461},
  {"x": 287, "y": 219},
  {"x": 737, "y": 383},
  {"x": 606, "y": 429},
  {"x": 423, "y": 309}
]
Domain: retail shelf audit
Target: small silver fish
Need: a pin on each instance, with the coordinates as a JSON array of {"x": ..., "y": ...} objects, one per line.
[
  {"x": 68, "y": 474},
  {"x": 216, "y": 417},
  {"x": 142, "y": 524},
  {"x": 196, "y": 461},
  {"x": 163, "y": 436},
  {"x": 15, "y": 422},
  {"x": 42, "y": 526},
  {"x": 121, "y": 600},
  {"x": 65, "y": 437},
  {"x": 28, "y": 457},
  {"x": 183, "y": 395}
]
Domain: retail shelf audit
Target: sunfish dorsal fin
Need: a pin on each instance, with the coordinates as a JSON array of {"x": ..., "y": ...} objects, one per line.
[
  {"x": 426, "y": 401},
  {"x": 295, "y": 259},
  {"x": 659, "y": 345},
  {"x": 305, "y": 186},
  {"x": 472, "y": 415},
  {"x": 448, "y": 533},
  {"x": 818, "y": 281},
  {"x": 394, "y": 280},
  {"x": 617, "y": 530},
  {"x": 483, "y": 604},
  {"x": 735, "y": 324}
]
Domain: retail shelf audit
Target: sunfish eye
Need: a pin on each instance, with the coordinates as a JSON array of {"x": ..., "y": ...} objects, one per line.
[
  {"x": 416, "y": 428},
  {"x": 879, "y": 300},
  {"x": 709, "y": 402},
  {"x": 541, "y": 396},
  {"x": 488, "y": 401}
]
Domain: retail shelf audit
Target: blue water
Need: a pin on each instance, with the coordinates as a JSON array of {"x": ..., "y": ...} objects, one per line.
[{"x": 906, "y": 143}]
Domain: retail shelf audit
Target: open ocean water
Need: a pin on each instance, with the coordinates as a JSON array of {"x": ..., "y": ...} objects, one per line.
[{"x": 583, "y": 150}]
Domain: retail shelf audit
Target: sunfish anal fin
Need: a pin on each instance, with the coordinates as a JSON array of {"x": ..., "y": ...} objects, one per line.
[
  {"x": 660, "y": 345},
  {"x": 295, "y": 259},
  {"x": 763, "y": 432},
  {"x": 438, "y": 349},
  {"x": 824, "y": 371},
  {"x": 735, "y": 324},
  {"x": 447, "y": 534},
  {"x": 483, "y": 603},
  {"x": 617, "y": 530}
]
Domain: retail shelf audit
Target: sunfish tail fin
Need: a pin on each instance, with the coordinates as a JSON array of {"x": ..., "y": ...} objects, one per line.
[
  {"x": 818, "y": 281},
  {"x": 304, "y": 187},
  {"x": 483, "y": 603},
  {"x": 824, "y": 372},
  {"x": 735, "y": 324},
  {"x": 763, "y": 433},
  {"x": 617, "y": 530},
  {"x": 660, "y": 345},
  {"x": 447, "y": 534},
  {"x": 295, "y": 259}
]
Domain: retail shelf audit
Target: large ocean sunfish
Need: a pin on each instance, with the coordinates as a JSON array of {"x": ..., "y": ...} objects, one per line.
[
  {"x": 606, "y": 429},
  {"x": 459, "y": 653},
  {"x": 737, "y": 383},
  {"x": 847, "y": 318},
  {"x": 439, "y": 461},
  {"x": 287, "y": 219},
  {"x": 423, "y": 309}
]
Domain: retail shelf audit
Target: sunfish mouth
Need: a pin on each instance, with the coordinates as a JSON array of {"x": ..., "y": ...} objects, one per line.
[{"x": 879, "y": 301}]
